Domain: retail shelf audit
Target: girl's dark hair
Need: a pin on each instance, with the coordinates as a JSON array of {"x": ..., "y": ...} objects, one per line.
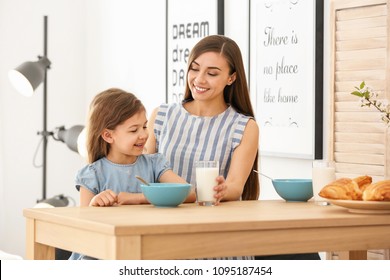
[{"x": 236, "y": 95}]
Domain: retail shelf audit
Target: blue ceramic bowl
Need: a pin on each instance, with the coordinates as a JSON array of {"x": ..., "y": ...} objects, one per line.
[
  {"x": 294, "y": 189},
  {"x": 166, "y": 194}
]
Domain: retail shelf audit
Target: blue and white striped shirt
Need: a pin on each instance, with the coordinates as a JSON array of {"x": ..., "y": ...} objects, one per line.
[{"x": 184, "y": 138}]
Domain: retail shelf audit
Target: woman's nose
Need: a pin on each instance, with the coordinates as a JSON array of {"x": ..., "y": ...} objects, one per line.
[{"x": 200, "y": 78}]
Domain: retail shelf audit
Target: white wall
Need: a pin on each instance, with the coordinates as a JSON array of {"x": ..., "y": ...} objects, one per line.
[
  {"x": 93, "y": 45},
  {"x": 21, "y": 33},
  {"x": 126, "y": 48}
]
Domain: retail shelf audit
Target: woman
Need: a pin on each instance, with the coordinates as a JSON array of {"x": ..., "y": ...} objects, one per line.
[{"x": 214, "y": 122}]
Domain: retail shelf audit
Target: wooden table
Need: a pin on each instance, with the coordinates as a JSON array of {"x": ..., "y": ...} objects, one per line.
[{"x": 191, "y": 231}]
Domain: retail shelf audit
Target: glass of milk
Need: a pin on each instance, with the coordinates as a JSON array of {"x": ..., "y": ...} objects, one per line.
[
  {"x": 206, "y": 173},
  {"x": 323, "y": 174}
]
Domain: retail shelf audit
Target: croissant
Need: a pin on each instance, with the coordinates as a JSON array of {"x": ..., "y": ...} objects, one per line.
[
  {"x": 343, "y": 188},
  {"x": 379, "y": 191},
  {"x": 363, "y": 181}
]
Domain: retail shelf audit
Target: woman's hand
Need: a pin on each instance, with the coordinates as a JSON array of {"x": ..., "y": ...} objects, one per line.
[
  {"x": 221, "y": 189},
  {"x": 105, "y": 198}
]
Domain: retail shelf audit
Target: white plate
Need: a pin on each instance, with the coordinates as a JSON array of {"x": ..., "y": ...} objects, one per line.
[{"x": 365, "y": 207}]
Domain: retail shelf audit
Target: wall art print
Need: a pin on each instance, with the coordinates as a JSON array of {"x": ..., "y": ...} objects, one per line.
[{"x": 287, "y": 77}]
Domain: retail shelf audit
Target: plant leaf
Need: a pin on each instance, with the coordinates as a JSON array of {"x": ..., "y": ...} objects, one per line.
[{"x": 357, "y": 93}]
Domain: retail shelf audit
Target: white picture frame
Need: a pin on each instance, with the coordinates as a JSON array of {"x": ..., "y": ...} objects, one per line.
[{"x": 286, "y": 76}]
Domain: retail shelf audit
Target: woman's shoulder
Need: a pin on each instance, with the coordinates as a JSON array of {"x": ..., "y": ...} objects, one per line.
[{"x": 238, "y": 118}]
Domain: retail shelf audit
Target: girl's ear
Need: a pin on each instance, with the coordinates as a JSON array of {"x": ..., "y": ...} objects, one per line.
[{"x": 107, "y": 135}]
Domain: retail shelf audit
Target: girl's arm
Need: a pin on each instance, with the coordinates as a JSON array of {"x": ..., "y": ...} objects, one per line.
[
  {"x": 242, "y": 162},
  {"x": 171, "y": 177},
  {"x": 138, "y": 198},
  {"x": 126, "y": 198},
  {"x": 105, "y": 198}
]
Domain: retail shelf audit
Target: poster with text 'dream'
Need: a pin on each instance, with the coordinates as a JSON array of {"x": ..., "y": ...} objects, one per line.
[
  {"x": 188, "y": 21},
  {"x": 285, "y": 77}
]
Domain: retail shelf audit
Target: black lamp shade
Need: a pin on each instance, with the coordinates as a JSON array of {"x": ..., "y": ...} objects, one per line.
[{"x": 29, "y": 75}]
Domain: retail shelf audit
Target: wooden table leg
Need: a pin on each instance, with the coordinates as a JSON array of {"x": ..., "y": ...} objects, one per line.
[{"x": 35, "y": 250}]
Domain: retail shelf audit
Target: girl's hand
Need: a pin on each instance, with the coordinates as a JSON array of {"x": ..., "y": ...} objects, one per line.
[
  {"x": 125, "y": 198},
  {"x": 105, "y": 198},
  {"x": 221, "y": 189}
]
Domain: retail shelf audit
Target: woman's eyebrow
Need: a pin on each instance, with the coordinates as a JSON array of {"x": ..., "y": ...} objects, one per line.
[{"x": 210, "y": 67}]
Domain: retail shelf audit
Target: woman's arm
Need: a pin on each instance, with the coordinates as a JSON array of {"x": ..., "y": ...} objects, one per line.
[
  {"x": 242, "y": 162},
  {"x": 151, "y": 142}
]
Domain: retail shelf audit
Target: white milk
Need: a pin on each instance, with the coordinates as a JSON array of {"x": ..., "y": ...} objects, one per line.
[
  {"x": 322, "y": 175},
  {"x": 205, "y": 182}
]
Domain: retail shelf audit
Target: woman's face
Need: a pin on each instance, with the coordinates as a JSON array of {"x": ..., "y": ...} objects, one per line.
[
  {"x": 208, "y": 75},
  {"x": 128, "y": 139}
]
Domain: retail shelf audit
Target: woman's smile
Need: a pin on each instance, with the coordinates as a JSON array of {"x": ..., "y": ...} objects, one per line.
[{"x": 200, "y": 89}]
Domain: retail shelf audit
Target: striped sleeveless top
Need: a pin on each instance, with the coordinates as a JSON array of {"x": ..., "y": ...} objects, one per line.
[{"x": 184, "y": 138}]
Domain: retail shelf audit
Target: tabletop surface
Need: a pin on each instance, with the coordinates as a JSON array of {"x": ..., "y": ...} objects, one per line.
[{"x": 237, "y": 215}]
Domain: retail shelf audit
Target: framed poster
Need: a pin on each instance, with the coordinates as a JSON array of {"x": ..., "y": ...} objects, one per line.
[
  {"x": 286, "y": 48},
  {"x": 187, "y": 22}
]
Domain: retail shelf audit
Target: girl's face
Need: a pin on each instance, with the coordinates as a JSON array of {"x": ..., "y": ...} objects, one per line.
[
  {"x": 208, "y": 75},
  {"x": 128, "y": 139}
]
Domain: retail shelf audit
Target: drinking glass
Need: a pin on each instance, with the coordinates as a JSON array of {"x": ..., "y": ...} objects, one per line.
[
  {"x": 323, "y": 174},
  {"x": 206, "y": 174}
]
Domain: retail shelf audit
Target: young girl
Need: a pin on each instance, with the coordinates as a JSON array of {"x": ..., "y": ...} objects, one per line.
[{"x": 116, "y": 137}]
